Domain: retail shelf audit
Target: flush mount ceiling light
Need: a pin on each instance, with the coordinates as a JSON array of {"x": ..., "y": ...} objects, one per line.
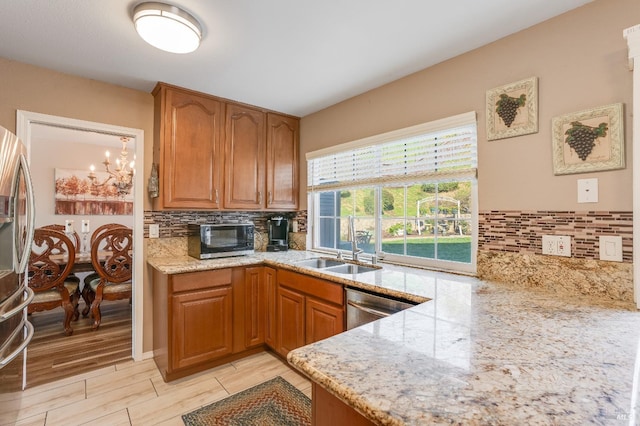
[{"x": 167, "y": 27}]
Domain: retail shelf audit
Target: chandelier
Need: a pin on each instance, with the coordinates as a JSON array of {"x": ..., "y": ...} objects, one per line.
[{"x": 122, "y": 177}]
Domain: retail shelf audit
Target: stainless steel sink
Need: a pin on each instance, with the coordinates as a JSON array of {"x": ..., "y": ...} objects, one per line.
[
  {"x": 320, "y": 263},
  {"x": 349, "y": 268}
]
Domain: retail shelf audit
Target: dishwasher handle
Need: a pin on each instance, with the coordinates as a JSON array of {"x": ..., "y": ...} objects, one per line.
[{"x": 374, "y": 311}]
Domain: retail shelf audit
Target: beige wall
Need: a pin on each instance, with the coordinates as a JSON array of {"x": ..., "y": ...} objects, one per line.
[
  {"x": 43, "y": 91},
  {"x": 45, "y": 158},
  {"x": 580, "y": 59}
]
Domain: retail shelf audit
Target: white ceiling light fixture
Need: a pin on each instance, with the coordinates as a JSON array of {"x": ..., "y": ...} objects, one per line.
[{"x": 167, "y": 27}]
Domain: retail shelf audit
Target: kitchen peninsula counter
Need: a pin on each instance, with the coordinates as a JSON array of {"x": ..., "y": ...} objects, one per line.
[{"x": 477, "y": 353}]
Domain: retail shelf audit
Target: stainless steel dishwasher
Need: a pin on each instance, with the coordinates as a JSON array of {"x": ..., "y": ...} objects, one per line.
[{"x": 366, "y": 307}]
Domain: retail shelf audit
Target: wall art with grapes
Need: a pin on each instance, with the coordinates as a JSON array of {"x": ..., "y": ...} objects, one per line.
[
  {"x": 512, "y": 109},
  {"x": 588, "y": 141}
]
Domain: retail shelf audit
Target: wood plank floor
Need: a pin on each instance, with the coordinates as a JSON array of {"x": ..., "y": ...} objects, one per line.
[
  {"x": 133, "y": 393},
  {"x": 51, "y": 355}
]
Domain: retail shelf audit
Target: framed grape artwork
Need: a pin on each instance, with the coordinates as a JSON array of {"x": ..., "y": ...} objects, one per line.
[
  {"x": 588, "y": 141},
  {"x": 512, "y": 109}
]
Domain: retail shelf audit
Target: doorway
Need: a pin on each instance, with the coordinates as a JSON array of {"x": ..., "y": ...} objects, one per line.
[{"x": 29, "y": 123}]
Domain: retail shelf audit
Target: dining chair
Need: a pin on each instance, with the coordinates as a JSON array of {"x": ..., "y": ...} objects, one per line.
[
  {"x": 75, "y": 238},
  {"x": 111, "y": 252},
  {"x": 86, "y": 289},
  {"x": 50, "y": 263}
]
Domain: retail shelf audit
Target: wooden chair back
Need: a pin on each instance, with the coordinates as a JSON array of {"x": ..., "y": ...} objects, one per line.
[
  {"x": 61, "y": 228},
  {"x": 44, "y": 272},
  {"x": 100, "y": 229},
  {"x": 117, "y": 243}
]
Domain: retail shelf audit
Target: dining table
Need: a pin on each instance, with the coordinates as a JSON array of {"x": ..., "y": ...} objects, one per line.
[{"x": 82, "y": 261}]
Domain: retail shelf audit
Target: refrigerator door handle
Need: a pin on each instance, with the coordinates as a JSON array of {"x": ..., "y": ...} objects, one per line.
[
  {"x": 20, "y": 348},
  {"x": 31, "y": 216},
  {"x": 24, "y": 304}
]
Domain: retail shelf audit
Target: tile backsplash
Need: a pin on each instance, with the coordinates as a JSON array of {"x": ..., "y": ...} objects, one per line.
[
  {"x": 521, "y": 231},
  {"x": 174, "y": 223}
]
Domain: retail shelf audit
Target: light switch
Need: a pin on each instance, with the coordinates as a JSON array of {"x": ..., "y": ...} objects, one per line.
[
  {"x": 588, "y": 190},
  {"x": 154, "y": 230},
  {"x": 611, "y": 248}
]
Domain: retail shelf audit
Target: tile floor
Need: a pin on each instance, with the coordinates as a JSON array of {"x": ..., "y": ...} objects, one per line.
[{"x": 133, "y": 393}]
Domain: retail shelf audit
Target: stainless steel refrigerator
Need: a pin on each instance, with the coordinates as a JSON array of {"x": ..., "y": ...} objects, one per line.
[{"x": 17, "y": 220}]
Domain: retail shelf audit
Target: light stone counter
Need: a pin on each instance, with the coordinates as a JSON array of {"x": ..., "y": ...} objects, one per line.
[
  {"x": 407, "y": 283},
  {"x": 482, "y": 353},
  {"x": 478, "y": 353}
]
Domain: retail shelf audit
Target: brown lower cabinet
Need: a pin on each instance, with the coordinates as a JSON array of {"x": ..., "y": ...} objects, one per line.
[
  {"x": 207, "y": 318},
  {"x": 270, "y": 285},
  {"x": 201, "y": 326},
  {"x": 327, "y": 410},
  {"x": 203, "y": 319},
  {"x": 308, "y": 309}
]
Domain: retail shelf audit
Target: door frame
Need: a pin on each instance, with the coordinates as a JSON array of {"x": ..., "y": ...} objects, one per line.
[{"x": 24, "y": 120}]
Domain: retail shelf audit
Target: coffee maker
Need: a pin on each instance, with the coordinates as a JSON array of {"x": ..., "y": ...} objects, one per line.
[{"x": 278, "y": 234}]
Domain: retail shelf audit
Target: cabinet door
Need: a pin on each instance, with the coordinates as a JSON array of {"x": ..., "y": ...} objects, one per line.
[
  {"x": 282, "y": 162},
  {"x": 201, "y": 326},
  {"x": 254, "y": 307},
  {"x": 290, "y": 320},
  {"x": 244, "y": 158},
  {"x": 192, "y": 155},
  {"x": 322, "y": 320},
  {"x": 270, "y": 311}
]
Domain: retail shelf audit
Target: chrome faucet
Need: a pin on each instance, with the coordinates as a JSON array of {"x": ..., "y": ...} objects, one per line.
[{"x": 351, "y": 236}]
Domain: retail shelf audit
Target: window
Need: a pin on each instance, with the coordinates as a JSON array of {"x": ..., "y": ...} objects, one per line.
[{"x": 412, "y": 194}]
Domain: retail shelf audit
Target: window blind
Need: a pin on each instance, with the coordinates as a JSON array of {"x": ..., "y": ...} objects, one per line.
[{"x": 441, "y": 155}]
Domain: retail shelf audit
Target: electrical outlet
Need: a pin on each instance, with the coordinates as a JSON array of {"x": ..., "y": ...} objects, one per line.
[
  {"x": 564, "y": 245},
  {"x": 556, "y": 245},
  {"x": 549, "y": 244}
]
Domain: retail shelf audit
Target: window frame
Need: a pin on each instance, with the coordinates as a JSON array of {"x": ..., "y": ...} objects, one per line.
[{"x": 460, "y": 120}]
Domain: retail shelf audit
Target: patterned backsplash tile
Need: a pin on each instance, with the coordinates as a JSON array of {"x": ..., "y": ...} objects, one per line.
[{"x": 521, "y": 231}]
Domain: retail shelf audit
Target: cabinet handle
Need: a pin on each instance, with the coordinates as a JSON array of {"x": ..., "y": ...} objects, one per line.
[
  {"x": 269, "y": 198},
  {"x": 259, "y": 197},
  {"x": 372, "y": 311},
  {"x": 217, "y": 199}
]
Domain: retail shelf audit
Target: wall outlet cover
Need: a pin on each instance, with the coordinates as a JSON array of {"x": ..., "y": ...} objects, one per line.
[
  {"x": 588, "y": 190},
  {"x": 549, "y": 244},
  {"x": 556, "y": 245},
  {"x": 154, "y": 230},
  {"x": 564, "y": 245}
]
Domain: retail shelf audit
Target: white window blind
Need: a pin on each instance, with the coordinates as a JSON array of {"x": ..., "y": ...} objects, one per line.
[{"x": 429, "y": 155}]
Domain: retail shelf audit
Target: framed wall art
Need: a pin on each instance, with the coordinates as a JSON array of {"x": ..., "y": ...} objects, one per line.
[
  {"x": 76, "y": 194},
  {"x": 512, "y": 109},
  {"x": 588, "y": 141}
]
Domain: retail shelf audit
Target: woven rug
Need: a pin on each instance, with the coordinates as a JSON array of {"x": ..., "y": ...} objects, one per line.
[{"x": 272, "y": 403}]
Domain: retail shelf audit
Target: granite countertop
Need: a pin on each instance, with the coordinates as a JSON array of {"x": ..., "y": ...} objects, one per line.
[
  {"x": 397, "y": 281},
  {"x": 477, "y": 353}
]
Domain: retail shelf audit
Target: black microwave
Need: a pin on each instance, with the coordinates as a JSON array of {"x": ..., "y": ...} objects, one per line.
[{"x": 209, "y": 241}]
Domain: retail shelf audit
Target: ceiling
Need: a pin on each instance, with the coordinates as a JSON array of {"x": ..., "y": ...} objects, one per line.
[{"x": 293, "y": 56}]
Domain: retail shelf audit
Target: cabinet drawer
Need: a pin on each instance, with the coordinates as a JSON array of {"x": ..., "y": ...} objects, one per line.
[
  {"x": 199, "y": 280},
  {"x": 324, "y": 290}
]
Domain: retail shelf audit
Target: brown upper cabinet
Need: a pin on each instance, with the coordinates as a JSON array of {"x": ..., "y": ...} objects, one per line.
[
  {"x": 188, "y": 131},
  {"x": 245, "y": 158},
  {"x": 282, "y": 162},
  {"x": 218, "y": 154}
]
